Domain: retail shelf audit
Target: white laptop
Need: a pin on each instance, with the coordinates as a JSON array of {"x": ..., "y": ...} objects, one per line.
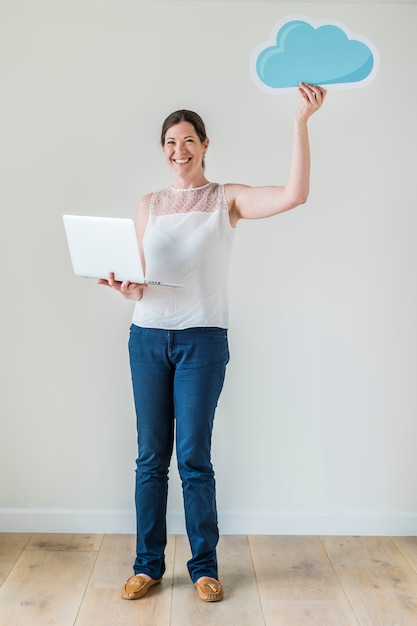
[{"x": 99, "y": 245}]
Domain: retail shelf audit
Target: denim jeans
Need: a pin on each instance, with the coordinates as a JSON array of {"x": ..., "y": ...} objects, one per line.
[{"x": 177, "y": 378}]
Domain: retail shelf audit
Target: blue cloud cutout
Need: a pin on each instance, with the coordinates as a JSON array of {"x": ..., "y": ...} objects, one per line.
[{"x": 324, "y": 55}]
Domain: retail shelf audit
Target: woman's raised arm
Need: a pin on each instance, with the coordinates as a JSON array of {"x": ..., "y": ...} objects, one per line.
[{"x": 258, "y": 202}]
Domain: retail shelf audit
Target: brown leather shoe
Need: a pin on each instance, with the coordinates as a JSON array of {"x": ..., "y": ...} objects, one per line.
[
  {"x": 209, "y": 589},
  {"x": 136, "y": 587}
]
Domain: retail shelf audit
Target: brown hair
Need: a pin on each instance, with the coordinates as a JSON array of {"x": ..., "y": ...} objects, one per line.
[{"x": 184, "y": 116}]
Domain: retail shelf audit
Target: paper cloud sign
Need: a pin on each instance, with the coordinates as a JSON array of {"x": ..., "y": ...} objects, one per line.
[{"x": 319, "y": 52}]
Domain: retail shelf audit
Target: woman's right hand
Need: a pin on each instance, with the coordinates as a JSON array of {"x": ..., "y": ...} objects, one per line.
[{"x": 131, "y": 291}]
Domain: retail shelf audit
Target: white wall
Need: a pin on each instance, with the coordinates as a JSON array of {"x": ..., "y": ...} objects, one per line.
[{"x": 316, "y": 428}]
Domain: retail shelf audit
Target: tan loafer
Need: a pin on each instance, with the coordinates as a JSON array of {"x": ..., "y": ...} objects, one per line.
[
  {"x": 136, "y": 587},
  {"x": 209, "y": 589}
]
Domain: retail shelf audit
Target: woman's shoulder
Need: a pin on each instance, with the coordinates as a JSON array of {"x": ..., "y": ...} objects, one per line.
[
  {"x": 143, "y": 205},
  {"x": 232, "y": 190},
  {"x": 146, "y": 198}
]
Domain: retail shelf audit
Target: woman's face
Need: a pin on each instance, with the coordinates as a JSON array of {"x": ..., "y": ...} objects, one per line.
[{"x": 183, "y": 149}]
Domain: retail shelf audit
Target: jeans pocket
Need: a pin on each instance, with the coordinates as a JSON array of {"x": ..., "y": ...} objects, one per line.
[{"x": 215, "y": 332}]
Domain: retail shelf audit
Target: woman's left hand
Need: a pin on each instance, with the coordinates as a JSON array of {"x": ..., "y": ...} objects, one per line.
[
  {"x": 312, "y": 98},
  {"x": 130, "y": 291}
]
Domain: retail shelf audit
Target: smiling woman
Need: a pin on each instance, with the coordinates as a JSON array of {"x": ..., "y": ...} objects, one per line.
[
  {"x": 178, "y": 342},
  {"x": 194, "y": 125}
]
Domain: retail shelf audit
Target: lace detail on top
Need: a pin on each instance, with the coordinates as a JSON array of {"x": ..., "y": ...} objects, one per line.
[{"x": 205, "y": 199}]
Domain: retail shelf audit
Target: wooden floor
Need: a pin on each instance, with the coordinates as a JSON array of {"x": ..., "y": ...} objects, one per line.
[{"x": 68, "y": 580}]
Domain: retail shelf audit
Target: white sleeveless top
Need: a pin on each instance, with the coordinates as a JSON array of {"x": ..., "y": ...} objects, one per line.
[{"x": 188, "y": 240}]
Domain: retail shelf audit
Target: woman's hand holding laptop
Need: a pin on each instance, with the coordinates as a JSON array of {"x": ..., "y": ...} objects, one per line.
[{"x": 131, "y": 291}]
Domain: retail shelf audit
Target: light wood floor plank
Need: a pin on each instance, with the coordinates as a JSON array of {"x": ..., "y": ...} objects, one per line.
[
  {"x": 11, "y": 546},
  {"x": 380, "y": 583},
  {"x": 103, "y": 605},
  {"x": 297, "y": 583},
  {"x": 408, "y": 548},
  {"x": 45, "y": 587},
  {"x": 65, "y": 541},
  {"x": 240, "y": 607}
]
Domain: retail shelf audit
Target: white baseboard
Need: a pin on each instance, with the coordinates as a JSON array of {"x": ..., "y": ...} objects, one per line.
[{"x": 231, "y": 523}]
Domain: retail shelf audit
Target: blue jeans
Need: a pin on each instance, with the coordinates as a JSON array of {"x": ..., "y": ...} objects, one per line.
[{"x": 177, "y": 375}]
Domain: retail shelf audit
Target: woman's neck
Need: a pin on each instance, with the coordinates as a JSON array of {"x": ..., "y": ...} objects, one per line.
[{"x": 189, "y": 182}]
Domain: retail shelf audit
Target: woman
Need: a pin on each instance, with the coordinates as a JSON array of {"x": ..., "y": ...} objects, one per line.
[{"x": 178, "y": 341}]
